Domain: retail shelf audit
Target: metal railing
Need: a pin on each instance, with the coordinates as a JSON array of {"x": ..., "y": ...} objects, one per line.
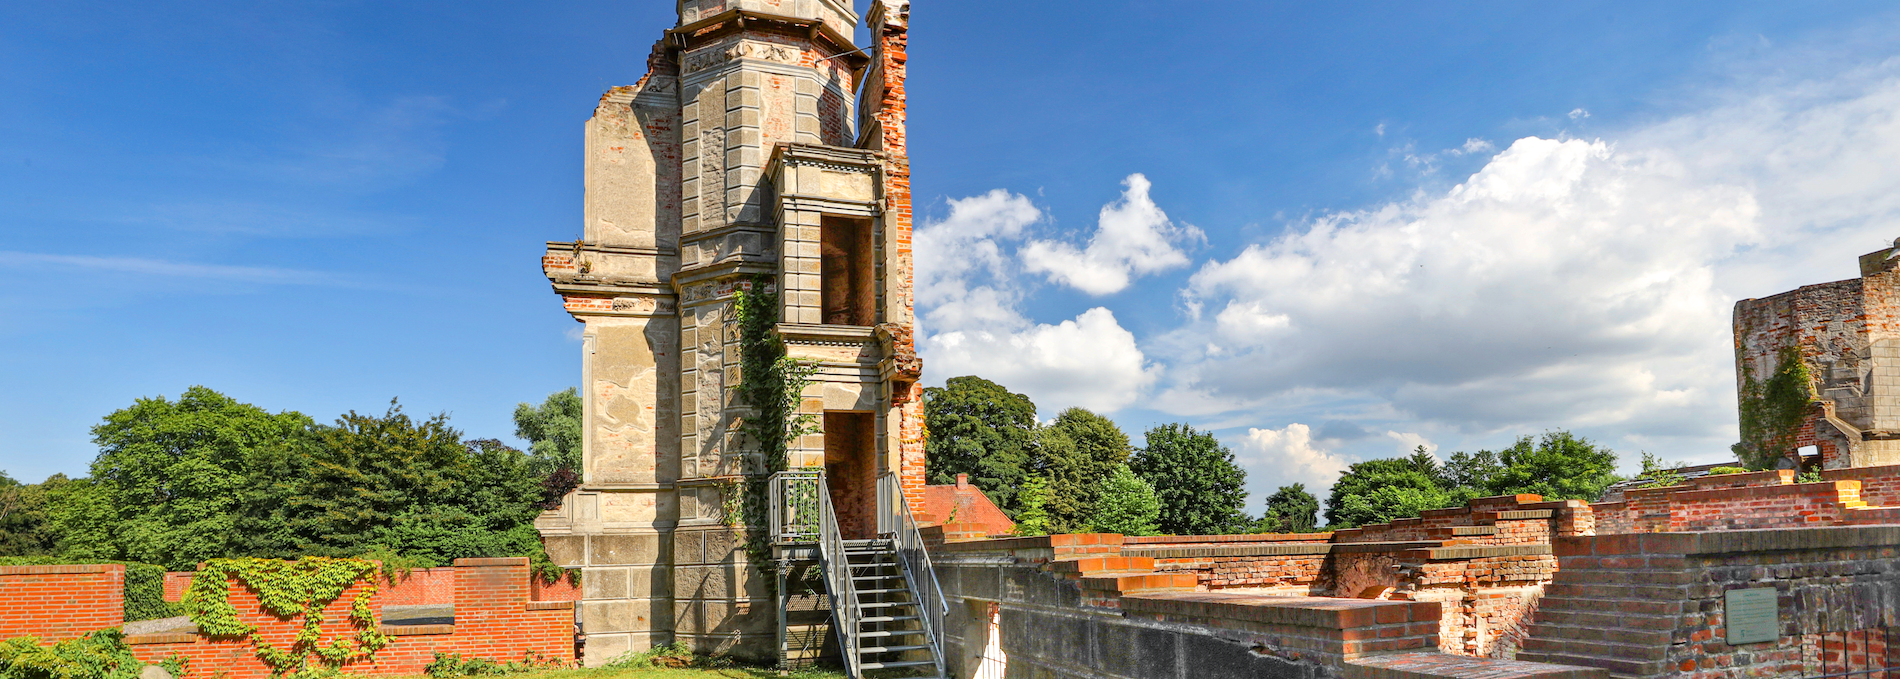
[
  {"x": 895, "y": 522},
  {"x": 801, "y": 514},
  {"x": 797, "y": 499},
  {"x": 1856, "y": 654}
]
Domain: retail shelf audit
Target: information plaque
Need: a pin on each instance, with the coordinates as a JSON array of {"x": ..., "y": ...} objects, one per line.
[{"x": 1753, "y": 615}]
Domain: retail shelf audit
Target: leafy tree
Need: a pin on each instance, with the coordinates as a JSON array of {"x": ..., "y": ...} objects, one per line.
[
  {"x": 167, "y": 485},
  {"x": 24, "y": 528},
  {"x": 978, "y": 427},
  {"x": 552, "y": 430},
  {"x": 1127, "y": 505},
  {"x": 1559, "y": 466},
  {"x": 1077, "y": 452},
  {"x": 1200, "y": 487},
  {"x": 1376, "y": 491},
  {"x": 1289, "y": 510},
  {"x": 1034, "y": 519},
  {"x": 412, "y": 487}
]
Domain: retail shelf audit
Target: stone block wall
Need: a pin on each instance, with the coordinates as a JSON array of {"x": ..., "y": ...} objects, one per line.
[
  {"x": 56, "y": 603},
  {"x": 1653, "y": 605}
]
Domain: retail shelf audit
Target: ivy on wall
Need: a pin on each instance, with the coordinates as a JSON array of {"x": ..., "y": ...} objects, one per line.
[
  {"x": 773, "y": 384},
  {"x": 1772, "y": 410},
  {"x": 288, "y": 590}
]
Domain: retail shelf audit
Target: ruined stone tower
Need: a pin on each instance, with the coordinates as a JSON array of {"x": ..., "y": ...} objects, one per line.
[
  {"x": 1848, "y": 335},
  {"x": 761, "y": 145}
]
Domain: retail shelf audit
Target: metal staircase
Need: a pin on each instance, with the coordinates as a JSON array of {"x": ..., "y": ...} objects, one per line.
[{"x": 886, "y": 607}]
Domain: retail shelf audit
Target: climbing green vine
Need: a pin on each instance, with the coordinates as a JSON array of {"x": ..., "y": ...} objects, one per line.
[
  {"x": 287, "y": 590},
  {"x": 1772, "y": 410},
  {"x": 773, "y": 384}
]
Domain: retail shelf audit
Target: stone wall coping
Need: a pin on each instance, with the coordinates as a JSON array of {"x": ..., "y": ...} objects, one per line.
[
  {"x": 1428, "y": 665},
  {"x": 1366, "y": 547},
  {"x": 1172, "y": 552},
  {"x": 61, "y": 569},
  {"x": 1482, "y": 550},
  {"x": 1725, "y": 542},
  {"x": 416, "y": 630},
  {"x": 1751, "y": 492},
  {"x": 1522, "y": 514},
  {"x": 1178, "y": 540},
  {"x": 1299, "y": 611},
  {"x": 1861, "y": 473},
  {"x": 500, "y": 561},
  {"x": 997, "y": 544}
]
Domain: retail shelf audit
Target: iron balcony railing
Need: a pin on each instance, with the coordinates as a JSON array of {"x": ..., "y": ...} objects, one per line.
[
  {"x": 800, "y": 513},
  {"x": 895, "y": 522}
]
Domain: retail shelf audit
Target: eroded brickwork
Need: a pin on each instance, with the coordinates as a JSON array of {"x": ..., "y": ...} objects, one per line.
[{"x": 1848, "y": 334}]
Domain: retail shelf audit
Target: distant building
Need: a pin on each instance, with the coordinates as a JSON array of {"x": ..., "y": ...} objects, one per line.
[{"x": 964, "y": 504}]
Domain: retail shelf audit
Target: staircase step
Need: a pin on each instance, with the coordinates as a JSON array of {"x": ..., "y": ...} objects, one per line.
[
  {"x": 889, "y": 604},
  {"x": 877, "y": 577},
  {"x": 887, "y": 618},
  {"x": 895, "y": 663},
  {"x": 889, "y": 649},
  {"x": 891, "y": 633},
  {"x": 883, "y": 591}
]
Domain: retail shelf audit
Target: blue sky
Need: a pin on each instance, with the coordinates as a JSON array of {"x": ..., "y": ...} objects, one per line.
[{"x": 1358, "y": 227}]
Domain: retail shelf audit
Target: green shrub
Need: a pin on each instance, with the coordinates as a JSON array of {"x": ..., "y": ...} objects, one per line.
[
  {"x": 453, "y": 665},
  {"x": 1721, "y": 471},
  {"x": 98, "y": 655},
  {"x": 670, "y": 655},
  {"x": 144, "y": 584}
]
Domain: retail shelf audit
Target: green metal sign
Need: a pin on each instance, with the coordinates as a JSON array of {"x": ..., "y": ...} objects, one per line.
[{"x": 1753, "y": 615}]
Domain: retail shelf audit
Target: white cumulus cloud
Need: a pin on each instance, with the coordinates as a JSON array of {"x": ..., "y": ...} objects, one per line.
[
  {"x": 968, "y": 302},
  {"x": 1288, "y": 455},
  {"x": 1133, "y": 237}
]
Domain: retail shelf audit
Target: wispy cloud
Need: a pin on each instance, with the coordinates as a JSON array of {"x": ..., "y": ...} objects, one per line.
[{"x": 158, "y": 267}]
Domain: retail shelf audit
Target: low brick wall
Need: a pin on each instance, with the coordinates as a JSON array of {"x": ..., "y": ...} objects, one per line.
[
  {"x": 1100, "y": 606},
  {"x": 1652, "y": 605},
  {"x": 56, "y": 603},
  {"x": 1755, "y": 500},
  {"x": 176, "y": 582},
  {"x": 494, "y": 618}
]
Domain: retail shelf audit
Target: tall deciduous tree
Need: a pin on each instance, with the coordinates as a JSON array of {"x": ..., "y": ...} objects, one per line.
[
  {"x": 552, "y": 430},
  {"x": 979, "y": 428},
  {"x": 1196, "y": 479},
  {"x": 1290, "y": 509},
  {"x": 1127, "y": 505},
  {"x": 413, "y": 487},
  {"x": 1558, "y": 466},
  {"x": 167, "y": 487},
  {"x": 24, "y": 528},
  {"x": 1077, "y": 452}
]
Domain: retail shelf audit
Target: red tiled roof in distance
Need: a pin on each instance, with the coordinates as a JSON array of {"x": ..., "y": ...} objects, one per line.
[{"x": 972, "y": 507}]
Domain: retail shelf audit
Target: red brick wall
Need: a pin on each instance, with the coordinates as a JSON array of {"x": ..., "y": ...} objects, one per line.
[
  {"x": 1879, "y": 486},
  {"x": 56, "y": 603},
  {"x": 494, "y": 618},
  {"x": 420, "y": 586},
  {"x": 175, "y": 584}
]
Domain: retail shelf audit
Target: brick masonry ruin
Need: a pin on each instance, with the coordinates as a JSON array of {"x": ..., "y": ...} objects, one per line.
[
  {"x": 1848, "y": 334},
  {"x": 762, "y": 145}
]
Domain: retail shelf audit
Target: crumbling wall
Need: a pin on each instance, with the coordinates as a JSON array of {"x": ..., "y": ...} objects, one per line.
[{"x": 1654, "y": 605}]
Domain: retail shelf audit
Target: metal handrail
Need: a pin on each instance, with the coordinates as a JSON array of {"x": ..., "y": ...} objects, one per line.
[
  {"x": 895, "y": 520},
  {"x": 802, "y": 517},
  {"x": 794, "y": 506}
]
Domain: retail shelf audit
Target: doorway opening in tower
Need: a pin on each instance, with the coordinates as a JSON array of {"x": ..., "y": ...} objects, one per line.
[
  {"x": 846, "y": 288},
  {"x": 851, "y": 471}
]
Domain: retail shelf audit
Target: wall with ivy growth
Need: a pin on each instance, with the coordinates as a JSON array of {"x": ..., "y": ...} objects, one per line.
[
  {"x": 772, "y": 385},
  {"x": 1772, "y": 410}
]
